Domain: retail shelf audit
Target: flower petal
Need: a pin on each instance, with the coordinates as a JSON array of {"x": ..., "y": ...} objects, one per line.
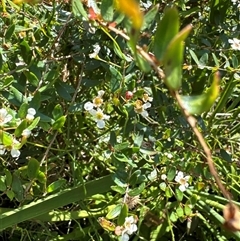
[
  {"x": 15, "y": 153},
  {"x": 100, "y": 124},
  {"x": 88, "y": 106},
  {"x": 182, "y": 188},
  {"x": 144, "y": 114}
]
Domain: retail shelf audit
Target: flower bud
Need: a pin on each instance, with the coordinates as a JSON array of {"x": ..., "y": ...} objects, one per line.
[{"x": 128, "y": 95}]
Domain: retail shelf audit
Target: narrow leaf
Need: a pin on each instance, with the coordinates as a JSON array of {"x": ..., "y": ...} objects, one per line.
[
  {"x": 197, "y": 104},
  {"x": 167, "y": 28},
  {"x": 173, "y": 58}
]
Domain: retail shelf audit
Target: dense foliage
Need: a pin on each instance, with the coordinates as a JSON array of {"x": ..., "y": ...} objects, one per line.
[{"x": 95, "y": 142}]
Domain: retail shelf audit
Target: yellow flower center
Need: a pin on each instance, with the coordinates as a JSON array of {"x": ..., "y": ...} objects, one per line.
[
  {"x": 145, "y": 97},
  {"x": 99, "y": 115},
  {"x": 138, "y": 106},
  {"x": 182, "y": 181},
  {"x": 98, "y": 101}
]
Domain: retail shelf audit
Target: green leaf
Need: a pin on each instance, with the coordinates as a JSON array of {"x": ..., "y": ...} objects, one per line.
[
  {"x": 10, "y": 194},
  {"x": 32, "y": 78},
  {"x": 118, "y": 189},
  {"x": 193, "y": 200},
  {"x": 41, "y": 177},
  {"x": 194, "y": 56},
  {"x": 34, "y": 123},
  {"x": 114, "y": 212},
  {"x": 44, "y": 118},
  {"x": 173, "y": 58},
  {"x": 142, "y": 63},
  {"x": 149, "y": 17},
  {"x": 54, "y": 201},
  {"x": 225, "y": 156},
  {"x": 107, "y": 10},
  {"x": 168, "y": 192},
  {"x": 116, "y": 79},
  {"x": 54, "y": 186},
  {"x": 18, "y": 131},
  {"x": 18, "y": 95},
  {"x": 57, "y": 112},
  {"x": 179, "y": 194},
  {"x": 17, "y": 188},
  {"x": 163, "y": 186},
  {"x": 166, "y": 30},
  {"x": 134, "y": 177},
  {"x": 64, "y": 90},
  {"x": 22, "y": 112},
  {"x": 171, "y": 173},
  {"x": 1, "y": 62},
  {"x": 78, "y": 9},
  {"x": 9, "y": 32},
  {"x": 122, "y": 158},
  {"x": 2, "y": 184},
  {"x": 138, "y": 190},
  {"x": 36, "y": 101},
  {"x": 218, "y": 11},
  {"x": 173, "y": 217},
  {"x": 33, "y": 168},
  {"x": 8, "y": 180},
  {"x": 6, "y": 138},
  {"x": 123, "y": 214},
  {"x": 224, "y": 98},
  {"x": 187, "y": 210},
  {"x": 121, "y": 146},
  {"x": 59, "y": 123},
  {"x": 25, "y": 51},
  {"x": 7, "y": 81},
  {"x": 197, "y": 104},
  {"x": 179, "y": 212}
]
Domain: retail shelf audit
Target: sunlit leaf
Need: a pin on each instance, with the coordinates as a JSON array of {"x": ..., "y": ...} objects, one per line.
[
  {"x": 173, "y": 59},
  {"x": 114, "y": 212},
  {"x": 167, "y": 29},
  {"x": 197, "y": 104}
]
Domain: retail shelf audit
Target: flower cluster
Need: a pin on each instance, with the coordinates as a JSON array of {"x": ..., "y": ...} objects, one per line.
[
  {"x": 183, "y": 181},
  {"x": 94, "y": 109},
  {"x": 128, "y": 228},
  {"x": 141, "y": 106},
  {"x": 5, "y": 118}
]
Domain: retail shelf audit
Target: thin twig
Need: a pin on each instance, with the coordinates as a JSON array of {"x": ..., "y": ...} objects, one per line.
[
  {"x": 192, "y": 122},
  {"x": 190, "y": 119}
]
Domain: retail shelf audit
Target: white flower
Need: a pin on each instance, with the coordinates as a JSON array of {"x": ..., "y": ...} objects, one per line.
[
  {"x": 31, "y": 112},
  {"x": 97, "y": 101},
  {"x": 4, "y": 117},
  {"x": 124, "y": 237},
  {"x": 183, "y": 181},
  {"x": 88, "y": 106},
  {"x": 141, "y": 108},
  {"x": 15, "y": 153},
  {"x": 163, "y": 177},
  {"x": 169, "y": 155},
  {"x": 147, "y": 98},
  {"x": 235, "y": 43},
  {"x": 99, "y": 117},
  {"x": 96, "y": 49},
  {"x": 2, "y": 149},
  {"x": 26, "y": 132},
  {"x": 129, "y": 225}
]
